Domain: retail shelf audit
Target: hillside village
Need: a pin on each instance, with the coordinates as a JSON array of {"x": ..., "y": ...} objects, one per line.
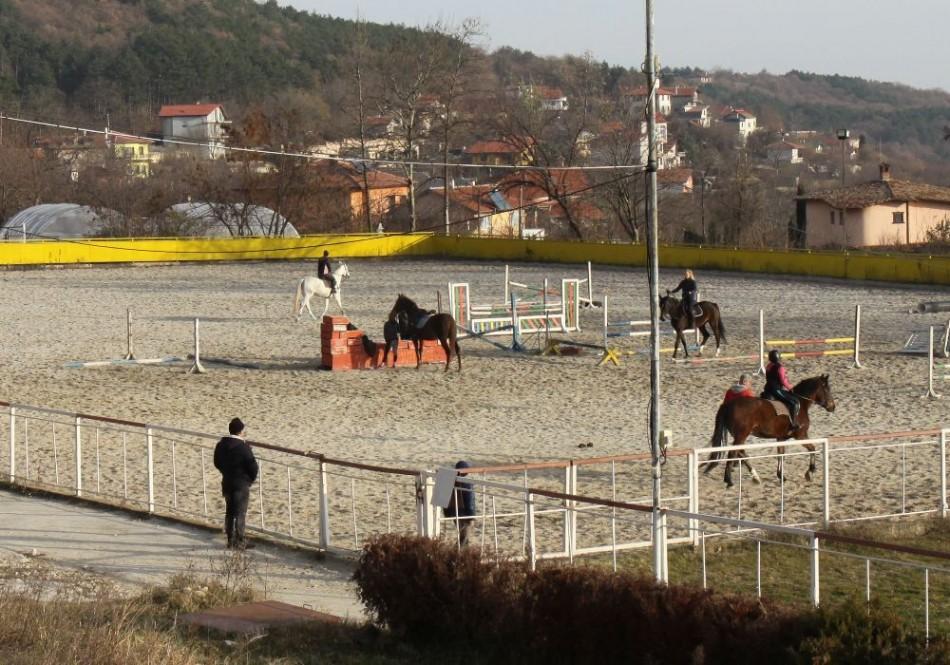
[{"x": 496, "y": 142}]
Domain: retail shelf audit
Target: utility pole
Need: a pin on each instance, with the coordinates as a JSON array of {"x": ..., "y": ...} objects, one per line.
[{"x": 653, "y": 277}]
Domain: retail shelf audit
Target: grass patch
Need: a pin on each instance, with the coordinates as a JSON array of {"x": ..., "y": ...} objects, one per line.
[{"x": 786, "y": 572}]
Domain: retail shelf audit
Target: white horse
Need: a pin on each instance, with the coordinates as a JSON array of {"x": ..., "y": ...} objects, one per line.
[{"x": 309, "y": 287}]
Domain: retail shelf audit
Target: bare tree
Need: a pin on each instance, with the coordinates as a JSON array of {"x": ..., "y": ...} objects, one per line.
[
  {"x": 454, "y": 81},
  {"x": 557, "y": 138},
  {"x": 410, "y": 68}
]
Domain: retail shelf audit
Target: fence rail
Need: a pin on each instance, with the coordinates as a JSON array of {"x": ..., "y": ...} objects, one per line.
[{"x": 535, "y": 511}]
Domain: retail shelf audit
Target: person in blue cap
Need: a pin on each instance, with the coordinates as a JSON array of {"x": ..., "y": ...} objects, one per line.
[{"x": 462, "y": 504}]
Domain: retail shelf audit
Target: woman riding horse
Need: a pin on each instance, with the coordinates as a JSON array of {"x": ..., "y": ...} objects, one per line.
[
  {"x": 747, "y": 417},
  {"x": 688, "y": 286}
]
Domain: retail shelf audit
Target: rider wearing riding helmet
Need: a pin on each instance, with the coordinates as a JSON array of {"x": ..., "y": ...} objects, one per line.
[
  {"x": 325, "y": 271},
  {"x": 688, "y": 286},
  {"x": 778, "y": 387}
]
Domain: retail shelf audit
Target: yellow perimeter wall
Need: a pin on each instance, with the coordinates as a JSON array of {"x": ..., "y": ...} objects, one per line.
[{"x": 913, "y": 269}]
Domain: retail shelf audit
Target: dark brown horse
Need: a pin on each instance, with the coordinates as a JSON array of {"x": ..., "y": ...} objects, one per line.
[
  {"x": 752, "y": 416},
  {"x": 408, "y": 315},
  {"x": 671, "y": 307}
]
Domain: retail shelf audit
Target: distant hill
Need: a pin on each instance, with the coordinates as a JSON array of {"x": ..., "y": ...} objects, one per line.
[
  {"x": 906, "y": 123},
  {"x": 81, "y": 59}
]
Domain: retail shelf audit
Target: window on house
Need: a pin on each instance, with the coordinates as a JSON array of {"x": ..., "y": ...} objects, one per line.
[
  {"x": 898, "y": 217},
  {"x": 832, "y": 216}
]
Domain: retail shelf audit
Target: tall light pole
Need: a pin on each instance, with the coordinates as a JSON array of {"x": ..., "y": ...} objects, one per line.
[
  {"x": 843, "y": 135},
  {"x": 653, "y": 277}
]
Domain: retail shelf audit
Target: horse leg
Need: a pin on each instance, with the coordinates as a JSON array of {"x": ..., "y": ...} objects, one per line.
[
  {"x": 339, "y": 302},
  {"x": 751, "y": 469},
  {"x": 307, "y": 303},
  {"x": 727, "y": 476},
  {"x": 812, "y": 467},
  {"x": 417, "y": 343},
  {"x": 448, "y": 352},
  {"x": 326, "y": 306}
]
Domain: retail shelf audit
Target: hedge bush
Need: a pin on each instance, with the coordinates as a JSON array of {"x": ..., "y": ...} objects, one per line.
[{"x": 431, "y": 594}]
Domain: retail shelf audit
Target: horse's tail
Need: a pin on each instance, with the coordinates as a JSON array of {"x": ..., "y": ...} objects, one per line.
[
  {"x": 722, "y": 328},
  {"x": 719, "y": 433},
  {"x": 298, "y": 294}
]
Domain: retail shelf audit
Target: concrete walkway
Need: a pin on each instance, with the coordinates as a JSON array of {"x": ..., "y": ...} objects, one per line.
[{"x": 135, "y": 552}]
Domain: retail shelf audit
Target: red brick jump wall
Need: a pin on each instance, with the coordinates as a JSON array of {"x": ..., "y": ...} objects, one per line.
[{"x": 342, "y": 349}]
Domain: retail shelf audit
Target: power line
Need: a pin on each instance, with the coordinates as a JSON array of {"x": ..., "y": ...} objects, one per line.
[{"x": 314, "y": 155}]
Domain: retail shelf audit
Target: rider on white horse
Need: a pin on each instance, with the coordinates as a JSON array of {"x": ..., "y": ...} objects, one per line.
[
  {"x": 325, "y": 271},
  {"x": 309, "y": 287}
]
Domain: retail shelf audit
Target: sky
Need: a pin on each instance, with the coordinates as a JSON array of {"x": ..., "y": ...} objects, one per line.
[{"x": 904, "y": 42}]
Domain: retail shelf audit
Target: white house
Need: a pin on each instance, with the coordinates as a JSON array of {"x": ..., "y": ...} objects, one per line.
[
  {"x": 638, "y": 97},
  {"x": 785, "y": 152},
  {"x": 203, "y": 125},
  {"x": 743, "y": 121}
]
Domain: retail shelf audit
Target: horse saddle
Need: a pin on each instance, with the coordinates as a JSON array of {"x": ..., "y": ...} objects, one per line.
[
  {"x": 697, "y": 310},
  {"x": 780, "y": 408},
  {"x": 423, "y": 319}
]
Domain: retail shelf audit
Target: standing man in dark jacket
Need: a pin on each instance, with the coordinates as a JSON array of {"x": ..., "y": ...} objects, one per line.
[
  {"x": 234, "y": 459},
  {"x": 462, "y": 504}
]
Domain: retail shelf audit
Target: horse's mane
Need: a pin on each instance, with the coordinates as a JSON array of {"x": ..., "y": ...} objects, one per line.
[{"x": 809, "y": 386}]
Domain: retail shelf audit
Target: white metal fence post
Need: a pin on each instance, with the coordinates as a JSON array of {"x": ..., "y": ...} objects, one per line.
[
  {"x": 826, "y": 480},
  {"x": 150, "y": 465},
  {"x": 323, "y": 490},
  {"x": 943, "y": 473},
  {"x": 815, "y": 572},
  {"x": 78, "y": 456},
  {"x": 529, "y": 509},
  {"x": 693, "y": 483},
  {"x": 12, "y": 444},
  {"x": 664, "y": 549}
]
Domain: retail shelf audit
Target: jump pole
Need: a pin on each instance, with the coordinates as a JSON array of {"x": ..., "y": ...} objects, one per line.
[
  {"x": 197, "y": 367},
  {"x": 507, "y": 287},
  {"x": 854, "y": 351},
  {"x": 547, "y": 315}
]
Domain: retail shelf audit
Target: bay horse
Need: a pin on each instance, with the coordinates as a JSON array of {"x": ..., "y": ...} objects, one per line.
[
  {"x": 754, "y": 416},
  {"x": 418, "y": 324},
  {"x": 310, "y": 286},
  {"x": 671, "y": 307}
]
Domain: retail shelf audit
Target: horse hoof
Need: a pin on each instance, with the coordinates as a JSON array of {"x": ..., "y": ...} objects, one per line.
[
  {"x": 756, "y": 479},
  {"x": 808, "y": 476},
  {"x": 729, "y": 484}
]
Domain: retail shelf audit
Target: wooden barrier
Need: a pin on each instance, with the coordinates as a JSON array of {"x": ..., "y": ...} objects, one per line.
[
  {"x": 853, "y": 343},
  {"x": 341, "y": 348}
]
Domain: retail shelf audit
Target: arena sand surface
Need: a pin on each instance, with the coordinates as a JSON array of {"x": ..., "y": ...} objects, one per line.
[{"x": 501, "y": 408}]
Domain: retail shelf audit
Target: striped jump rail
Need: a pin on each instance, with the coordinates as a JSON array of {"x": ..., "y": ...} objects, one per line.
[
  {"x": 937, "y": 370},
  {"x": 852, "y": 344}
]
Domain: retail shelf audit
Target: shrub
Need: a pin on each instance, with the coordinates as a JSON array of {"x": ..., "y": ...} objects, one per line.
[
  {"x": 853, "y": 634},
  {"x": 429, "y": 593}
]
